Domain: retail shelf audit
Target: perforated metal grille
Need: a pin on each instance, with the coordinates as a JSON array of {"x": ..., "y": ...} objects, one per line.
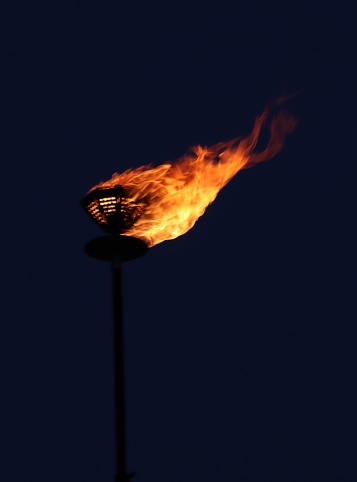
[{"x": 113, "y": 209}]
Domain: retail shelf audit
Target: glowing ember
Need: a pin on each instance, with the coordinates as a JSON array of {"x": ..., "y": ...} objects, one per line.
[{"x": 177, "y": 193}]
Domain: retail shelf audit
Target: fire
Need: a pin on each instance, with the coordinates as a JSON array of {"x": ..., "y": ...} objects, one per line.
[{"x": 177, "y": 193}]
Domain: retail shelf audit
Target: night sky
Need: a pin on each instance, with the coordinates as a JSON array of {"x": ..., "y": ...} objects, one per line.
[{"x": 240, "y": 336}]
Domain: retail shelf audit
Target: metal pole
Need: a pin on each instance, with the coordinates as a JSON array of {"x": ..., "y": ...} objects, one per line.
[
  {"x": 119, "y": 377},
  {"x": 118, "y": 248}
]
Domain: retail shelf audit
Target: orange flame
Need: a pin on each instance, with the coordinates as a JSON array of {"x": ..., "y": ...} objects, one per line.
[{"x": 178, "y": 193}]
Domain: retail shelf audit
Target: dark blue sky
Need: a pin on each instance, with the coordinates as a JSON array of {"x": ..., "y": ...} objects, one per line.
[{"x": 240, "y": 336}]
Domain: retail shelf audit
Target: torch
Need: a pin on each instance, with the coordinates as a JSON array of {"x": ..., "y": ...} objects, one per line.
[
  {"x": 115, "y": 211},
  {"x": 143, "y": 207}
]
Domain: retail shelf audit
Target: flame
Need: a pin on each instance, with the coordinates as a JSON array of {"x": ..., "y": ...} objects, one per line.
[{"x": 177, "y": 193}]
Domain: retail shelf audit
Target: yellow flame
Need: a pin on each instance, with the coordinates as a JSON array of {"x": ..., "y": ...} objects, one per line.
[{"x": 178, "y": 193}]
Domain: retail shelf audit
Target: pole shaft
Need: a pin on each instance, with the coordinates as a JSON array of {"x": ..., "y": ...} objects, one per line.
[{"x": 119, "y": 378}]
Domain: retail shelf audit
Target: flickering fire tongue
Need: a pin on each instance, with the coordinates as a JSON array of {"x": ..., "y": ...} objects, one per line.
[{"x": 167, "y": 200}]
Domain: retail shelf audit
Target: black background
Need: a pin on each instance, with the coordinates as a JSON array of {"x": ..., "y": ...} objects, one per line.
[{"x": 240, "y": 335}]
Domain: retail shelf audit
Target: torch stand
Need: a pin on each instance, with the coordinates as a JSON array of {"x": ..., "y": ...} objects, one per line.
[{"x": 116, "y": 249}]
